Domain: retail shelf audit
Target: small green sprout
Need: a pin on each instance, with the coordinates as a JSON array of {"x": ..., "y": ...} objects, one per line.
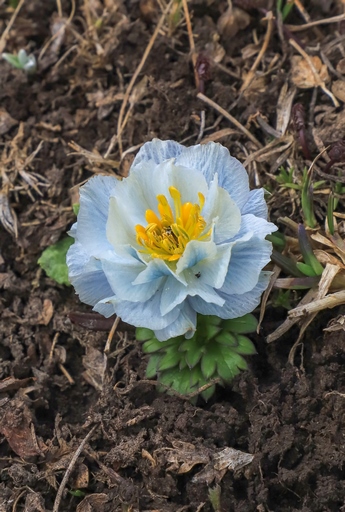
[
  {"x": 53, "y": 260},
  {"x": 286, "y": 8},
  {"x": 213, "y": 353},
  {"x": 22, "y": 61},
  {"x": 214, "y": 495},
  {"x": 311, "y": 266}
]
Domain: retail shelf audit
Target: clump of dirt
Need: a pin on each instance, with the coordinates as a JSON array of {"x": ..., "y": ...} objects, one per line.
[{"x": 140, "y": 449}]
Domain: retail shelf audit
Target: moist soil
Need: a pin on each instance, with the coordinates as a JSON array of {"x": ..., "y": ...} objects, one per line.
[{"x": 139, "y": 449}]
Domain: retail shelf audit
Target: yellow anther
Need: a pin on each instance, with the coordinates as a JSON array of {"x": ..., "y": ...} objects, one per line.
[{"x": 166, "y": 237}]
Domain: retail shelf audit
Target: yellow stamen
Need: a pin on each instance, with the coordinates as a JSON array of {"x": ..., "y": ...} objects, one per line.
[{"x": 166, "y": 237}]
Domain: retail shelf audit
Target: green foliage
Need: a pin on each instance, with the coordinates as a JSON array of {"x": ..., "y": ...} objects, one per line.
[
  {"x": 214, "y": 495},
  {"x": 282, "y": 300},
  {"x": 285, "y": 8},
  {"x": 53, "y": 260},
  {"x": 22, "y": 61},
  {"x": 311, "y": 266},
  {"x": 76, "y": 208},
  {"x": 214, "y": 352}
]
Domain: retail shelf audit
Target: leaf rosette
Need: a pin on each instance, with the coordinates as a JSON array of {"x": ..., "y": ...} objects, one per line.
[
  {"x": 182, "y": 235},
  {"x": 214, "y": 353}
]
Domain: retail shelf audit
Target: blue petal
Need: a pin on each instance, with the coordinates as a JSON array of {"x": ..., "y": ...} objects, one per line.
[
  {"x": 208, "y": 261},
  {"x": 144, "y": 314},
  {"x": 256, "y": 204},
  {"x": 158, "y": 151},
  {"x": 184, "y": 324},
  {"x": 93, "y": 214},
  {"x": 103, "y": 308},
  {"x": 247, "y": 261},
  {"x": 86, "y": 275},
  {"x": 223, "y": 211},
  {"x": 235, "y": 305},
  {"x": 213, "y": 158},
  {"x": 212, "y": 271},
  {"x": 173, "y": 294},
  {"x": 157, "y": 268},
  {"x": 254, "y": 226},
  {"x": 121, "y": 276}
]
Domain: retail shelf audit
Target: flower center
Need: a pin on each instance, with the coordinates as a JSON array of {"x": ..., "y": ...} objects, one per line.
[{"x": 166, "y": 237}]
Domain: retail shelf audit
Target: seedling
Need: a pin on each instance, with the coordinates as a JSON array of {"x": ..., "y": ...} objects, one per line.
[{"x": 22, "y": 61}]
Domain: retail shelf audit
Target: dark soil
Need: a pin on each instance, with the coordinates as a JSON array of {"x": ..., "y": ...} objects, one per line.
[{"x": 150, "y": 451}]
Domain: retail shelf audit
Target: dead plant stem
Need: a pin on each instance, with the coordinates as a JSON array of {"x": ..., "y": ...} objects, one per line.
[{"x": 229, "y": 117}]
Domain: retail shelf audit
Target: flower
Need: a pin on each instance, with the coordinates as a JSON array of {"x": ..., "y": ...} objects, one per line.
[{"x": 182, "y": 235}]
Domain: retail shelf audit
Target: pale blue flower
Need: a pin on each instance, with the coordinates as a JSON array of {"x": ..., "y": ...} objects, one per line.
[{"x": 182, "y": 235}]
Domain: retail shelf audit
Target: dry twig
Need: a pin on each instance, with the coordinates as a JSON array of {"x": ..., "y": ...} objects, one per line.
[
  {"x": 229, "y": 117},
  {"x": 70, "y": 469},
  {"x": 262, "y": 52}
]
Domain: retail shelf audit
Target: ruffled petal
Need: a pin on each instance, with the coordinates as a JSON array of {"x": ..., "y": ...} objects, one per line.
[
  {"x": 144, "y": 314},
  {"x": 235, "y": 306},
  {"x": 247, "y": 261},
  {"x": 93, "y": 214},
  {"x": 86, "y": 275},
  {"x": 121, "y": 277},
  {"x": 158, "y": 151},
  {"x": 155, "y": 269},
  {"x": 213, "y": 157},
  {"x": 184, "y": 324},
  {"x": 222, "y": 211},
  {"x": 208, "y": 262},
  {"x": 254, "y": 226},
  {"x": 256, "y": 204}
]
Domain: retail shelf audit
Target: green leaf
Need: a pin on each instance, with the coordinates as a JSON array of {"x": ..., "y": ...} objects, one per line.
[
  {"x": 151, "y": 369},
  {"x": 208, "y": 365},
  {"x": 307, "y": 270},
  {"x": 226, "y": 369},
  {"x": 76, "y": 208},
  {"x": 53, "y": 260},
  {"x": 245, "y": 346},
  {"x": 169, "y": 360},
  {"x": 143, "y": 334},
  {"x": 208, "y": 392},
  {"x": 12, "y": 59},
  {"x": 227, "y": 338},
  {"x": 243, "y": 325}
]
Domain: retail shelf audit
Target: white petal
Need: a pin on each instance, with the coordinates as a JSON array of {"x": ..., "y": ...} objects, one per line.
[
  {"x": 121, "y": 277},
  {"x": 194, "y": 252},
  {"x": 93, "y": 214},
  {"x": 247, "y": 261},
  {"x": 235, "y": 305},
  {"x": 214, "y": 158},
  {"x": 158, "y": 151},
  {"x": 209, "y": 262},
  {"x": 86, "y": 275},
  {"x": 212, "y": 271},
  {"x": 256, "y": 204},
  {"x": 139, "y": 192},
  {"x": 223, "y": 211},
  {"x": 184, "y": 324}
]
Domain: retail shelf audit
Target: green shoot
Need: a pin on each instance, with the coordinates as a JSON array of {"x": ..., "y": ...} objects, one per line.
[{"x": 22, "y": 61}]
